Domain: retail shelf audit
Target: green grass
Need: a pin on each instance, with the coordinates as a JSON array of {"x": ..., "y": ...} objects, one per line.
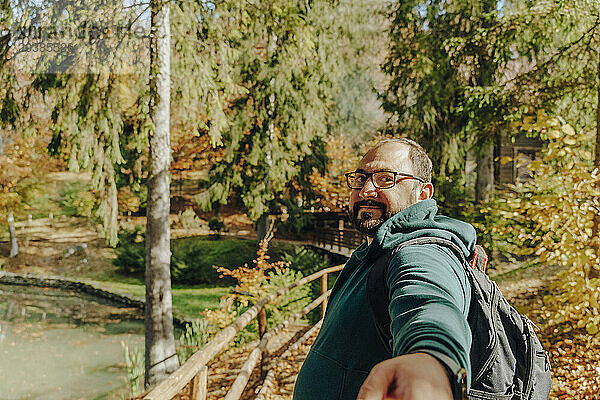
[
  {"x": 194, "y": 258},
  {"x": 188, "y": 302},
  {"x": 136, "y": 290},
  {"x": 200, "y": 253}
]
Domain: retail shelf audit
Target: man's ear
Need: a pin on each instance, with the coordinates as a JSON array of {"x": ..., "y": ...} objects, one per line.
[{"x": 426, "y": 191}]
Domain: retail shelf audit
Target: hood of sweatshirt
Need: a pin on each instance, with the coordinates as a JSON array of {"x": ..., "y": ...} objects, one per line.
[{"x": 421, "y": 219}]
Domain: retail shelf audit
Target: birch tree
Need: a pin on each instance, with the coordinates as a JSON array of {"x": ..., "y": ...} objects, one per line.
[{"x": 160, "y": 356}]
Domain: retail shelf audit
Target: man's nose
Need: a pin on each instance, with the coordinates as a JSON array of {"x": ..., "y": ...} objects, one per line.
[{"x": 368, "y": 190}]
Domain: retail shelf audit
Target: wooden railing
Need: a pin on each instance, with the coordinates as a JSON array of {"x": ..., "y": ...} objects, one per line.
[
  {"x": 333, "y": 230},
  {"x": 195, "y": 368},
  {"x": 339, "y": 238},
  {"x": 50, "y": 228}
]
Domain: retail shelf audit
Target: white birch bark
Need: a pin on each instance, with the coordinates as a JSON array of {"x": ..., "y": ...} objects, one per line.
[
  {"x": 160, "y": 356},
  {"x": 14, "y": 246}
]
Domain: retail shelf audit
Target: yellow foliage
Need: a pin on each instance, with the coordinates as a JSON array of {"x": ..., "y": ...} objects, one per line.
[
  {"x": 127, "y": 200},
  {"x": 252, "y": 285},
  {"x": 568, "y": 129},
  {"x": 22, "y": 157},
  {"x": 553, "y": 217}
]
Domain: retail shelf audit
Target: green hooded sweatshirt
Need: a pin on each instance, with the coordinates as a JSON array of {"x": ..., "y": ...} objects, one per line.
[{"x": 430, "y": 297}]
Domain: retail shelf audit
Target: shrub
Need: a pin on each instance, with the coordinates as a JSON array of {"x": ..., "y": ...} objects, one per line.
[
  {"x": 192, "y": 259},
  {"x": 134, "y": 360},
  {"x": 305, "y": 260},
  {"x": 189, "y": 220},
  {"x": 197, "y": 257},
  {"x": 135, "y": 235},
  {"x": 77, "y": 199},
  {"x": 254, "y": 283},
  {"x": 308, "y": 262},
  {"x": 131, "y": 259},
  {"x": 194, "y": 337},
  {"x": 216, "y": 225},
  {"x": 289, "y": 303},
  {"x": 298, "y": 221},
  {"x": 127, "y": 201}
]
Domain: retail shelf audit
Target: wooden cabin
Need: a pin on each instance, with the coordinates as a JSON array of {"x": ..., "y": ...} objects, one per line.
[{"x": 521, "y": 150}]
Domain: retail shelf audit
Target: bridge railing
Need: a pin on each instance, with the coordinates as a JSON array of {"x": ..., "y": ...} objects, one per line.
[
  {"x": 195, "y": 369},
  {"x": 333, "y": 230},
  {"x": 338, "y": 238}
]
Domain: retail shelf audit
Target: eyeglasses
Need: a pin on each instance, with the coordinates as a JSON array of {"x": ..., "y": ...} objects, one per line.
[{"x": 380, "y": 179}]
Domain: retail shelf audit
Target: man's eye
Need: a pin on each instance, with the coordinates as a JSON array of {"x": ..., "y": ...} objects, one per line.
[{"x": 360, "y": 179}]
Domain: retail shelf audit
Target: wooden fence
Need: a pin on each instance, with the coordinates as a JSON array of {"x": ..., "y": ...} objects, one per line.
[
  {"x": 31, "y": 226},
  {"x": 195, "y": 368},
  {"x": 333, "y": 230},
  {"x": 340, "y": 239},
  {"x": 50, "y": 228}
]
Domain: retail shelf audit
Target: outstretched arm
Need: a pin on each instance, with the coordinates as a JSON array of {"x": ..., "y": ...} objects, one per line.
[{"x": 408, "y": 377}]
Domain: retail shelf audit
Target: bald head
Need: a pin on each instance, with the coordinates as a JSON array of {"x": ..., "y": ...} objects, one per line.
[{"x": 403, "y": 154}]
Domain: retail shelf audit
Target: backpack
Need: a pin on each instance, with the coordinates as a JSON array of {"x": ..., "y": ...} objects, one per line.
[{"x": 508, "y": 361}]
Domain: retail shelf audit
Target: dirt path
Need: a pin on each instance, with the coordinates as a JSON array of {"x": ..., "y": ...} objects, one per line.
[{"x": 70, "y": 247}]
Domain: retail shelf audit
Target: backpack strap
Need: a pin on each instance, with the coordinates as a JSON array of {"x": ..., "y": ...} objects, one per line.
[
  {"x": 377, "y": 288},
  {"x": 480, "y": 258}
]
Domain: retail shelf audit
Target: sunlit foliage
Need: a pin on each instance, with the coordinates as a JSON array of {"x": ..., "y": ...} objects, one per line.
[
  {"x": 552, "y": 218},
  {"x": 254, "y": 283}
]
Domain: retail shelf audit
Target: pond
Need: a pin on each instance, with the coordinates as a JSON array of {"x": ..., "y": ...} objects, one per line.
[{"x": 58, "y": 344}]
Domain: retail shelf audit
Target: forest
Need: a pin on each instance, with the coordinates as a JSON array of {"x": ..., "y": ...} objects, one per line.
[{"x": 257, "y": 108}]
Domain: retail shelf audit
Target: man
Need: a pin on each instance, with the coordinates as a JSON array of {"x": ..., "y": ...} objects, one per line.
[{"x": 429, "y": 292}]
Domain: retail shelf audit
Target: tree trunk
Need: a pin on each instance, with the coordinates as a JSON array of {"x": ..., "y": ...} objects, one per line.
[
  {"x": 264, "y": 226},
  {"x": 484, "y": 185},
  {"x": 266, "y": 222},
  {"x": 14, "y": 246},
  {"x": 471, "y": 172},
  {"x": 160, "y": 357}
]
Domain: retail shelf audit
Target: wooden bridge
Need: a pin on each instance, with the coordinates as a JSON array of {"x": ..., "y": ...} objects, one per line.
[
  {"x": 271, "y": 364},
  {"x": 333, "y": 231}
]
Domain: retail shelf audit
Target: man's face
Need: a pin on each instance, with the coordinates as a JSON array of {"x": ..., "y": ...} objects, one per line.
[{"x": 370, "y": 207}]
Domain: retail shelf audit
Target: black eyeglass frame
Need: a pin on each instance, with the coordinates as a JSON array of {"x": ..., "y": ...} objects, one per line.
[{"x": 369, "y": 175}]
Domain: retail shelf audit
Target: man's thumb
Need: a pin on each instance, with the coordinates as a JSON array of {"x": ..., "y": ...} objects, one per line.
[{"x": 376, "y": 386}]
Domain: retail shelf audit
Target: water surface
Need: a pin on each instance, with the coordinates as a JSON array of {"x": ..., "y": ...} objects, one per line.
[{"x": 57, "y": 344}]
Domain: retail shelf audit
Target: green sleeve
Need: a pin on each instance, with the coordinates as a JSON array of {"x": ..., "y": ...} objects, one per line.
[{"x": 429, "y": 303}]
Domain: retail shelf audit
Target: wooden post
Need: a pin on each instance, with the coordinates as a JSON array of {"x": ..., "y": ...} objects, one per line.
[
  {"x": 341, "y": 231},
  {"x": 262, "y": 329},
  {"x": 28, "y": 229},
  {"x": 262, "y": 322},
  {"x": 323, "y": 291},
  {"x": 200, "y": 385},
  {"x": 14, "y": 245}
]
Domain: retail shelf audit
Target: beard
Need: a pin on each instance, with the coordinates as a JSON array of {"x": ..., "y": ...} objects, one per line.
[{"x": 366, "y": 223}]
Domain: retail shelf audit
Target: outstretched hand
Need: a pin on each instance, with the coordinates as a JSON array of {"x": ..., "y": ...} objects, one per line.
[{"x": 415, "y": 376}]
